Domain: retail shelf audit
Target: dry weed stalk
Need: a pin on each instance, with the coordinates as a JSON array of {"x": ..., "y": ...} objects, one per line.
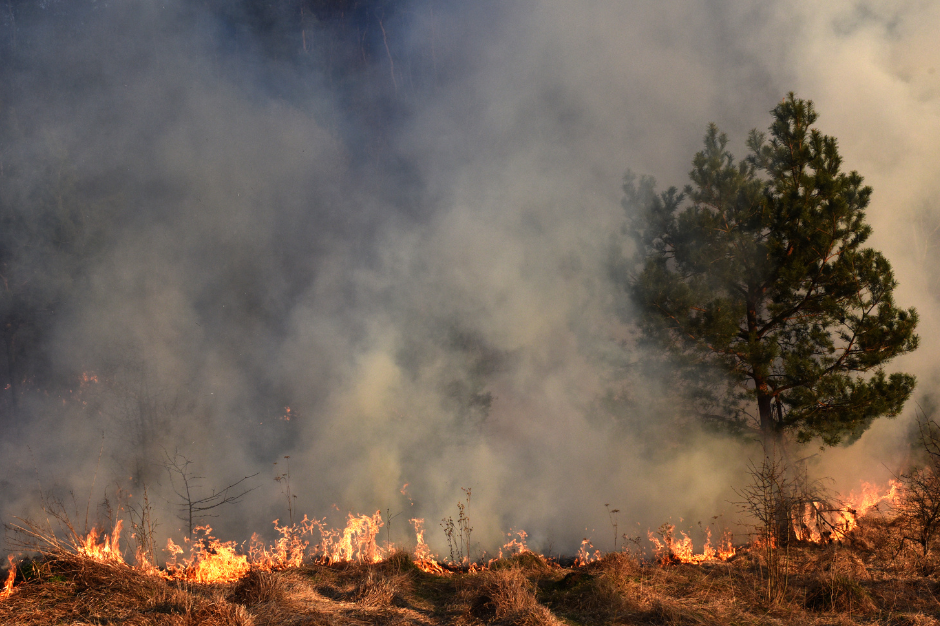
[{"x": 458, "y": 533}]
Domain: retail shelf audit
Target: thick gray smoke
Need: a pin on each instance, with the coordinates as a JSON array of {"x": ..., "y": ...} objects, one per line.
[{"x": 428, "y": 295}]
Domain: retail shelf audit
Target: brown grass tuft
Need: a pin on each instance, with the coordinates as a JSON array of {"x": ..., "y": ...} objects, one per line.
[
  {"x": 505, "y": 597},
  {"x": 376, "y": 590},
  {"x": 839, "y": 594},
  {"x": 527, "y": 561},
  {"x": 221, "y": 613},
  {"x": 257, "y": 587}
]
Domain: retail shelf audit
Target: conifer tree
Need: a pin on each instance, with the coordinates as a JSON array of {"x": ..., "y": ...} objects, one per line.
[{"x": 757, "y": 273}]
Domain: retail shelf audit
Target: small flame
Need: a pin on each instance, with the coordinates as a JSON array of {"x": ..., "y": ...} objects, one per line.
[
  {"x": 404, "y": 491},
  {"x": 7, "y": 590},
  {"x": 356, "y": 542},
  {"x": 143, "y": 564},
  {"x": 673, "y": 550},
  {"x": 210, "y": 560},
  {"x": 425, "y": 560},
  {"x": 108, "y": 551},
  {"x": 819, "y": 522},
  {"x": 287, "y": 551},
  {"x": 585, "y": 556},
  {"x": 515, "y": 546}
]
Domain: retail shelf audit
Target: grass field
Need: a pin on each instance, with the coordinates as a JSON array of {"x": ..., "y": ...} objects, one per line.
[{"x": 865, "y": 579}]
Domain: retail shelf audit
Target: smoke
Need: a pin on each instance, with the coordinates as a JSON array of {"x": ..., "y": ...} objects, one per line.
[{"x": 403, "y": 240}]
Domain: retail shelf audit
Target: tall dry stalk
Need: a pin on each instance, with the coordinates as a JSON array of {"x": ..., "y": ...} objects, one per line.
[{"x": 768, "y": 500}]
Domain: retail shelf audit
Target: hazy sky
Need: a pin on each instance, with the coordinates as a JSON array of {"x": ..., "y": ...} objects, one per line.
[{"x": 378, "y": 280}]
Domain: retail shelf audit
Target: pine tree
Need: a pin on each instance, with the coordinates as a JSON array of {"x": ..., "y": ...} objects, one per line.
[{"x": 757, "y": 273}]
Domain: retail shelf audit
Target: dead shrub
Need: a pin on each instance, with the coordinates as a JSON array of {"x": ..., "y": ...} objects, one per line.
[
  {"x": 618, "y": 566},
  {"x": 171, "y": 600},
  {"x": 918, "y": 506}
]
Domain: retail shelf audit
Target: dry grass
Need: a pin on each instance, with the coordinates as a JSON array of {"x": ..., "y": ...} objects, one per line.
[{"x": 862, "y": 581}]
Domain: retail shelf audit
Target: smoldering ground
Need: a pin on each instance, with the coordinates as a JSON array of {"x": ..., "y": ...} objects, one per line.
[{"x": 397, "y": 225}]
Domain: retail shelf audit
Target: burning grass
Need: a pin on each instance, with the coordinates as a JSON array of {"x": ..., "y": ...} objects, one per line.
[
  {"x": 840, "y": 567},
  {"x": 863, "y": 579}
]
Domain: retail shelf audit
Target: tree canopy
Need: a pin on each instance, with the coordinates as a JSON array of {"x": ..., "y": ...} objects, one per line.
[{"x": 757, "y": 273}]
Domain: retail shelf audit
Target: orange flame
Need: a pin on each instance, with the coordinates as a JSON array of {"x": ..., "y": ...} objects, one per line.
[
  {"x": 585, "y": 556},
  {"x": 109, "y": 551},
  {"x": 673, "y": 550},
  {"x": 356, "y": 542},
  {"x": 425, "y": 560},
  {"x": 143, "y": 564},
  {"x": 819, "y": 522},
  {"x": 515, "y": 546},
  {"x": 7, "y": 590},
  {"x": 210, "y": 560},
  {"x": 287, "y": 551}
]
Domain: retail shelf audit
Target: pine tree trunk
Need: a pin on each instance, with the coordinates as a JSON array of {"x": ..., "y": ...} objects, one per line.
[{"x": 768, "y": 428}]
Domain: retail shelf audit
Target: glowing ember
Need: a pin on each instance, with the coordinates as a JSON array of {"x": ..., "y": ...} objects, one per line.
[
  {"x": 7, "y": 590},
  {"x": 108, "y": 551},
  {"x": 674, "y": 550}
]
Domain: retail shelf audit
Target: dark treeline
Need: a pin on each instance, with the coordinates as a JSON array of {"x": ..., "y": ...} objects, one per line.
[{"x": 67, "y": 189}]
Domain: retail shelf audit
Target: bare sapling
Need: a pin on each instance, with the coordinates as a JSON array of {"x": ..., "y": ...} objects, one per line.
[
  {"x": 185, "y": 484},
  {"x": 768, "y": 501},
  {"x": 918, "y": 506}
]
